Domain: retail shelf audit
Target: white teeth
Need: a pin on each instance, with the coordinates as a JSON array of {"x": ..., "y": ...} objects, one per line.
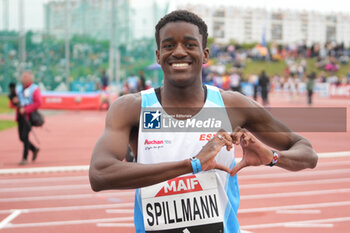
[{"x": 180, "y": 64}]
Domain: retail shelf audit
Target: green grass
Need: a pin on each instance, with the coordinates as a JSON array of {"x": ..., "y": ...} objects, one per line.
[
  {"x": 4, "y": 108},
  {"x": 4, "y": 105},
  {"x": 6, "y": 124},
  {"x": 271, "y": 68}
]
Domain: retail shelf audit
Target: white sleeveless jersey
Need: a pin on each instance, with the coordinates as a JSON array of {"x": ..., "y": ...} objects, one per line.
[{"x": 197, "y": 202}]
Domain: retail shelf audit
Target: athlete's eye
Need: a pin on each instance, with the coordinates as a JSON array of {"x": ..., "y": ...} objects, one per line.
[
  {"x": 168, "y": 46},
  {"x": 190, "y": 45}
]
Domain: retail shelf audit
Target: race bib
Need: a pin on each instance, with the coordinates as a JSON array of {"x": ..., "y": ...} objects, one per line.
[{"x": 185, "y": 204}]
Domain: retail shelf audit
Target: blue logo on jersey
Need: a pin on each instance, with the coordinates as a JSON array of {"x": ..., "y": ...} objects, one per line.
[{"x": 152, "y": 119}]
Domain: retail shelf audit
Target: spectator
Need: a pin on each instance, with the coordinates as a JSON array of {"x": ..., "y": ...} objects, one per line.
[
  {"x": 104, "y": 80},
  {"x": 310, "y": 85},
  {"x": 29, "y": 100},
  {"x": 264, "y": 84}
]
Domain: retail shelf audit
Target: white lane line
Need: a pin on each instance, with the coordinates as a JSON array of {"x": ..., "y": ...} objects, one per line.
[
  {"x": 128, "y": 193},
  {"x": 9, "y": 218},
  {"x": 284, "y": 224},
  {"x": 242, "y": 186},
  {"x": 275, "y": 175},
  {"x": 294, "y": 183},
  {"x": 115, "y": 224},
  {"x": 131, "y": 204},
  {"x": 287, "y": 174},
  {"x": 46, "y": 188},
  {"x": 120, "y": 211},
  {"x": 72, "y": 208},
  {"x": 34, "y": 170},
  {"x": 86, "y": 167},
  {"x": 70, "y": 222},
  {"x": 298, "y": 211},
  {"x": 67, "y": 197},
  {"x": 294, "y": 194},
  {"x": 119, "y": 194},
  {"x": 334, "y": 154},
  {"x": 289, "y": 207},
  {"x": 308, "y": 225}
]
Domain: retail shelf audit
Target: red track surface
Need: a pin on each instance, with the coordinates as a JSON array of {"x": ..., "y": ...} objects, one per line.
[{"x": 272, "y": 200}]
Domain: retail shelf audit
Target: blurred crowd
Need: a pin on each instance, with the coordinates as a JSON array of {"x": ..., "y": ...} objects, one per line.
[
  {"x": 230, "y": 61},
  {"x": 226, "y": 69}
]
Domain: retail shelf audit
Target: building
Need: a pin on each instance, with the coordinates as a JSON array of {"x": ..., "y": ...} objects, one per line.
[
  {"x": 91, "y": 18},
  {"x": 246, "y": 25}
]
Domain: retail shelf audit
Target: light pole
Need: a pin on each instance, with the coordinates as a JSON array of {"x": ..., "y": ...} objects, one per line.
[
  {"x": 22, "y": 39},
  {"x": 67, "y": 53}
]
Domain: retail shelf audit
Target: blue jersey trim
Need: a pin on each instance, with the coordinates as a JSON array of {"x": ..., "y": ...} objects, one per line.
[
  {"x": 138, "y": 218},
  {"x": 149, "y": 98},
  {"x": 232, "y": 191},
  {"x": 214, "y": 96}
]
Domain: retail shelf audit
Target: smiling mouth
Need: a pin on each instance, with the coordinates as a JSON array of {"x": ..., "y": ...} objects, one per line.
[{"x": 180, "y": 65}]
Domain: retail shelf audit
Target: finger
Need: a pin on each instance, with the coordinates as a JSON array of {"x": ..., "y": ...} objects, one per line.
[
  {"x": 228, "y": 141},
  {"x": 237, "y": 168},
  {"x": 245, "y": 139},
  {"x": 249, "y": 136},
  {"x": 222, "y": 168},
  {"x": 236, "y": 137},
  {"x": 225, "y": 139},
  {"x": 237, "y": 129}
]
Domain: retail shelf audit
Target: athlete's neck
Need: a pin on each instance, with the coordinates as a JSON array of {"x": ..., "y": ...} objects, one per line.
[{"x": 189, "y": 96}]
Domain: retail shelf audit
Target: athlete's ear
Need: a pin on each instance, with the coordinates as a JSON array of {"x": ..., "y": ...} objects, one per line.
[
  {"x": 157, "y": 55},
  {"x": 206, "y": 55}
]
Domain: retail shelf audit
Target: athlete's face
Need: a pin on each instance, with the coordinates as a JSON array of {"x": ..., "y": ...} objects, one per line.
[{"x": 181, "y": 53}]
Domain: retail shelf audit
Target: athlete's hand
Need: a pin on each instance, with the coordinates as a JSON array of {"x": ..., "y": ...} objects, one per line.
[
  {"x": 21, "y": 111},
  {"x": 211, "y": 149},
  {"x": 255, "y": 153}
]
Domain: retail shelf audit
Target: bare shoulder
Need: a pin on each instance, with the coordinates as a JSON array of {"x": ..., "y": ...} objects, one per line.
[
  {"x": 125, "y": 110},
  {"x": 233, "y": 99},
  {"x": 243, "y": 111}
]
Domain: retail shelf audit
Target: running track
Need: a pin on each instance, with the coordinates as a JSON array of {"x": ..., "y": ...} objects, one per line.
[{"x": 53, "y": 195}]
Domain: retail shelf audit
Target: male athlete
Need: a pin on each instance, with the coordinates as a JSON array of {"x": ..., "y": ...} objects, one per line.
[{"x": 186, "y": 181}]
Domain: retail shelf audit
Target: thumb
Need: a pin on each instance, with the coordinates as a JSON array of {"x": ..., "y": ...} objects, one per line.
[
  {"x": 237, "y": 168},
  {"x": 222, "y": 167}
]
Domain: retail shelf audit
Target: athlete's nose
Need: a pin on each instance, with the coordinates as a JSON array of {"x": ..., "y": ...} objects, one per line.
[{"x": 179, "y": 51}]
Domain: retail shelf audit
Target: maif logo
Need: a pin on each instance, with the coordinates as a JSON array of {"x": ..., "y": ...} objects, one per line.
[
  {"x": 152, "y": 119},
  {"x": 180, "y": 185}
]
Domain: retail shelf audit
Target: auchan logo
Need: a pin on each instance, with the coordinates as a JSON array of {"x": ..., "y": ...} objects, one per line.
[
  {"x": 180, "y": 185},
  {"x": 151, "y": 142}
]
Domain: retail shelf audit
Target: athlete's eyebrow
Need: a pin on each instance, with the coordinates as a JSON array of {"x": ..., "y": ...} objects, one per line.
[
  {"x": 191, "y": 38},
  {"x": 185, "y": 37},
  {"x": 167, "y": 39}
]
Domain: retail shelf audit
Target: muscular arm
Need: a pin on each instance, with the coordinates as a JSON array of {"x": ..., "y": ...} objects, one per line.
[
  {"x": 295, "y": 152},
  {"x": 107, "y": 169}
]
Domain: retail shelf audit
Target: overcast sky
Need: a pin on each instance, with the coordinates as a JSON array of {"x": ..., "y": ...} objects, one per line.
[{"x": 34, "y": 11}]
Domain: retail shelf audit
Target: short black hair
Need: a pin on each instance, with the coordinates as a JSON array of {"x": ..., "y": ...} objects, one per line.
[
  {"x": 12, "y": 85},
  {"x": 185, "y": 16}
]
